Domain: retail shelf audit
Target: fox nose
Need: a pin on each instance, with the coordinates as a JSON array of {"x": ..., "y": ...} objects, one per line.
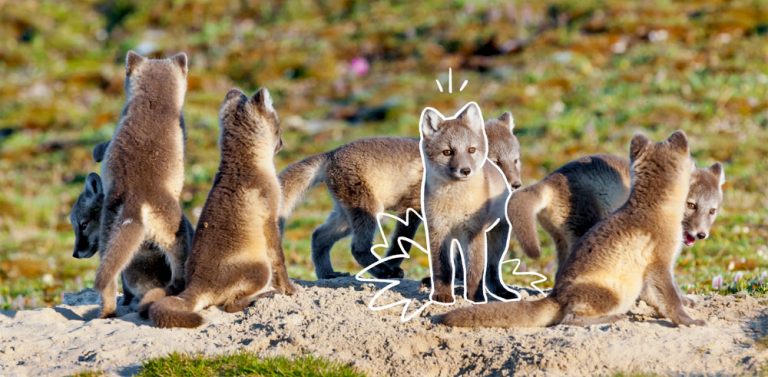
[
  {"x": 701, "y": 235},
  {"x": 516, "y": 185},
  {"x": 465, "y": 171}
]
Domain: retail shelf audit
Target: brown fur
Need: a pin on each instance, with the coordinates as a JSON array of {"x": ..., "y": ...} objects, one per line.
[
  {"x": 236, "y": 252},
  {"x": 628, "y": 255},
  {"x": 573, "y": 198},
  {"x": 464, "y": 201},
  {"x": 359, "y": 177},
  {"x": 143, "y": 173}
]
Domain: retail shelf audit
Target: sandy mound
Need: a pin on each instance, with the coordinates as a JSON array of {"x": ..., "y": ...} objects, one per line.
[{"x": 330, "y": 319}]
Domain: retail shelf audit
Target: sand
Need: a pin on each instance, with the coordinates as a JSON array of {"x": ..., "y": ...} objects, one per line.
[{"x": 330, "y": 319}]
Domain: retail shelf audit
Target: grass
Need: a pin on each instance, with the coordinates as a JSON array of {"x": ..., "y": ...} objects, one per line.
[
  {"x": 244, "y": 364},
  {"x": 580, "y": 77}
]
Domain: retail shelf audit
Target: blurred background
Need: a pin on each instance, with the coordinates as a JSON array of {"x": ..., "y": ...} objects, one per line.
[{"x": 580, "y": 77}]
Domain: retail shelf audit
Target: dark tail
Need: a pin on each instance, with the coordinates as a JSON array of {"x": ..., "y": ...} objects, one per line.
[
  {"x": 297, "y": 178},
  {"x": 175, "y": 311},
  {"x": 540, "y": 313},
  {"x": 523, "y": 208}
]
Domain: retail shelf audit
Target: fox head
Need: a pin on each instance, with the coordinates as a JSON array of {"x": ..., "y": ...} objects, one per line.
[
  {"x": 454, "y": 148},
  {"x": 86, "y": 217},
  {"x": 664, "y": 167},
  {"x": 159, "y": 78},
  {"x": 703, "y": 204},
  {"x": 250, "y": 118},
  {"x": 503, "y": 148}
]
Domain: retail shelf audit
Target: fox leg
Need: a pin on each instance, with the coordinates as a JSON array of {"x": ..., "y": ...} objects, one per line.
[
  {"x": 497, "y": 242},
  {"x": 336, "y": 227},
  {"x": 280, "y": 279},
  {"x": 254, "y": 278},
  {"x": 572, "y": 320},
  {"x": 127, "y": 294},
  {"x": 475, "y": 259},
  {"x": 363, "y": 230},
  {"x": 670, "y": 304},
  {"x": 170, "y": 236},
  {"x": 442, "y": 273},
  {"x": 404, "y": 231},
  {"x": 123, "y": 241}
]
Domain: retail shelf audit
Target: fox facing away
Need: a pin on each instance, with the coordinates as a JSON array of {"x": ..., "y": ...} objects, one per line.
[
  {"x": 464, "y": 205},
  {"x": 369, "y": 176},
  {"x": 628, "y": 255},
  {"x": 236, "y": 253},
  {"x": 576, "y": 196},
  {"x": 147, "y": 270},
  {"x": 143, "y": 174}
]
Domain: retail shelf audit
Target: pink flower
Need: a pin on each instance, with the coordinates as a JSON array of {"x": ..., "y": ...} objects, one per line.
[
  {"x": 737, "y": 277},
  {"x": 717, "y": 282},
  {"x": 763, "y": 276},
  {"x": 359, "y": 66}
]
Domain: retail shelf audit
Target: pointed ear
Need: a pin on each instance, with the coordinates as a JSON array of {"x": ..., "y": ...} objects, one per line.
[
  {"x": 679, "y": 141},
  {"x": 263, "y": 101},
  {"x": 133, "y": 60},
  {"x": 718, "y": 171},
  {"x": 430, "y": 121},
  {"x": 507, "y": 119},
  {"x": 637, "y": 145},
  {"x": 99, "y": 150},
  {"x": 232, "y": 94},
  {"x": 93, "y": 186},
  {"x": 472, "y": 116},
  {"x": 180, "y": 60}
]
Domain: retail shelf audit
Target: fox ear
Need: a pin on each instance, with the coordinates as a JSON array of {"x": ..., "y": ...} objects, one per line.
[
  {"x": 472, "y": 116},
  {"x": 679, "y": 141},
  {"x": 430, "y": 121},
  {"x": 99, "y": 150},
  {"x": 133, "y": 60},
  {"x": 507, "y": 119},
  {"x": 718, "y": 171},
  {"x": 93, "y": 186},
  {"x": 263, "y": 100},
  {"x": 180, "y": 60},
  {"x": 232, "y": 94},
  {"x": 637, "y": 145}
]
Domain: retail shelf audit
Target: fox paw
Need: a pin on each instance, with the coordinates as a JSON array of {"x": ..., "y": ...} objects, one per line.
[
  {"x": 445, "y": 298},
  {"x": 286, "y": 288},
  {"x": 688, "y": 302},
  {"x": 386, "y": 272},
  {"x": 107, "y": 314},
  {"x": 332, "y": 275}
]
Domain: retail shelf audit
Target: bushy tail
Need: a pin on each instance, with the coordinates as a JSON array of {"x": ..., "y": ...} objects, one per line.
[
  {"x": 540, "y": 313},
  {"x": 175, "y": 311},
  {"x": 523, "y": 208},
  {"x": 297, "y": 178}
]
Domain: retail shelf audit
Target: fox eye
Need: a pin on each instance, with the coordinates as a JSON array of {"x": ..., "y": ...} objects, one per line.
[
  {"x": 517, "y": 161},
  {"x": 713, "y": 211},
  {"x": 448, "y": 152},
  {"x": 692, "y": 206},
  {"x": 498, "y": 162},
  {"x": 471, "y": 150}
]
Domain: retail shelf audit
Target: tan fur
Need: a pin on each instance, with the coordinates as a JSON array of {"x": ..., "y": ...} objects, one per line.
[
  {"x": 142, "y": 173},
  {"x": 236, "y": 252},
  {"x": 373, "y": 175},
  {"x": 629, "y": 254},
  {"x": 573, "y": 198},
  {"x": 464, "y": 201}
]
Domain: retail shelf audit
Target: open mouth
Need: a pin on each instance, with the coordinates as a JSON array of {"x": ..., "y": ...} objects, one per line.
[{"x": 688, "y": 239}]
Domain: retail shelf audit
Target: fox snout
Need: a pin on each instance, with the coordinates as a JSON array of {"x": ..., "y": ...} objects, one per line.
[
  {"x": 516, "y": 184},
  {"x": 461, "y": 172}
]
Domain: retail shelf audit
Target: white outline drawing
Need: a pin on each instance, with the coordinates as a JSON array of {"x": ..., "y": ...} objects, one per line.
[
  {"x": 455, "y": 246},
  {"x": 450, "y": 83}
]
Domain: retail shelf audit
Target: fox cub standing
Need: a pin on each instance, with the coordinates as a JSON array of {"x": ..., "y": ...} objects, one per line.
[
  {"x": 236, "y": 252},
  {"x": 628, "y": 255},
  {"x": 576, "y": 196},
  {"x": 143, "y": 174},
  {"x": 148, "y": 268},
  {"x": 369, "y": 176},
  {"x": 464, "y": 204}
]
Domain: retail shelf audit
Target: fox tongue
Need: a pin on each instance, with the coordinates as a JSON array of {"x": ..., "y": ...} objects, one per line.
[{"x": 688, "y": 239}]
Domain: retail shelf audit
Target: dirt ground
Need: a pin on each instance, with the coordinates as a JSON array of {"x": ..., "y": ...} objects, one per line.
[{"x": 331, "y": 319}]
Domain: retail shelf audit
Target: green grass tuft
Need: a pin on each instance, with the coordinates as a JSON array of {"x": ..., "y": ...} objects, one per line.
[{"x": 244, "y": 364}]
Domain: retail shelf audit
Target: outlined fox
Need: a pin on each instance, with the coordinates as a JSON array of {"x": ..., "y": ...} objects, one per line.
[
  {"x": 143, "y": 174},
  {"x": 236, "y": 254},
  {"x": 627, "y": 255},
  {"x": 573, "y": 198},
  {"x": 147, "y": 270},
  {"x": 370, "y": 176},
  {"x": 463, "y": 200}
]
